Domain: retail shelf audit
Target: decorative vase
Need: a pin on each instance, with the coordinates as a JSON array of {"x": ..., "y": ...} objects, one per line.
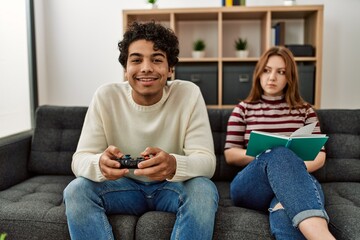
[
  {"x": 242, "y": 53},
  {"x": 198, "y": 54}
]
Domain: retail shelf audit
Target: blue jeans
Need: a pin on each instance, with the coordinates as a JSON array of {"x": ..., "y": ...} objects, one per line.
[
  {"x": 87, "y": 204},
  {"x": 279, "y": 175}
]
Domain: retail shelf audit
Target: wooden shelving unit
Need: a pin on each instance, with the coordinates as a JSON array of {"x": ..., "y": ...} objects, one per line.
[{"x": 219, "y": 27}]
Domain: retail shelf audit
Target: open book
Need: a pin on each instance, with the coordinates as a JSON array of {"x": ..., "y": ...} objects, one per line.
[{"x": 302, "y": 142}]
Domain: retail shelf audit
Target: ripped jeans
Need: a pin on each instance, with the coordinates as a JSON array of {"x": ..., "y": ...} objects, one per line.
[{"x": 279, "y": 175}]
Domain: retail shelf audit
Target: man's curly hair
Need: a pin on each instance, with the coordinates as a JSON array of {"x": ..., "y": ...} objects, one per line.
[{"x": 164, "y": 39}]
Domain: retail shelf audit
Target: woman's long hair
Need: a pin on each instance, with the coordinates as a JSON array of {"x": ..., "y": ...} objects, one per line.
[{"x": 291, "y": 90}]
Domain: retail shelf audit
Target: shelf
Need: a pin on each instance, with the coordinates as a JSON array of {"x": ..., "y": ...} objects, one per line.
[
  {"x": 205, "y": 59},
  {"x": 235, "y": 59},
  {"x": 219, "y": 27}
]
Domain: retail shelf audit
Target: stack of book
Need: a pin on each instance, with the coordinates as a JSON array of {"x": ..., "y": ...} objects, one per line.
[
  {"x": 278, "y": 34},
  {"x": 230, "y": 3}
]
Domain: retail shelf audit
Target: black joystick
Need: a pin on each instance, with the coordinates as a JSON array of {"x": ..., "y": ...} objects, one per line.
[{"x": 128, "y": 162}]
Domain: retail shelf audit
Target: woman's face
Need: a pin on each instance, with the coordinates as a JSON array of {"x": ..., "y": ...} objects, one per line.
[{"x": 273, "y": 79}]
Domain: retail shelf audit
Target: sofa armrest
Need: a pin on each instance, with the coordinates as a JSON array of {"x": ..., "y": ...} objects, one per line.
[{"x": 14, "y": 155}]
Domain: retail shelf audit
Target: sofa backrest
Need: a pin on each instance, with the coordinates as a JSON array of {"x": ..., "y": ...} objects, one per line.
[
  {"x": 56, "y": 134},
  {"x": 218, "y": 121},
  {"x": 343, "y": 147},
  {"x": 58, "y": 129}
]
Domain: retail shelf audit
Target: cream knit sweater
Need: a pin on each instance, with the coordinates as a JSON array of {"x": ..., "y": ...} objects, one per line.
[{"x": 178, "y": 124}]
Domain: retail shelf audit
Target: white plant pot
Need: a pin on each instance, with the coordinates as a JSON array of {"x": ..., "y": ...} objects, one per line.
[
  {"x": 242, "y": 53},
  {"x": 152, "y": 5},
  {"x": 289, "y": 2},
  {"x": 198, "y": 54}
]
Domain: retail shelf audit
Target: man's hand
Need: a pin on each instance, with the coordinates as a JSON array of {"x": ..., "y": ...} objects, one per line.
[
  {"x": 159, "y": 167},
  {"x": 108, "y": 166}
]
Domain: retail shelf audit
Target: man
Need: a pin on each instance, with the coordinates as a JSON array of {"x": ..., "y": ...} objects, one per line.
[{"x": 145, "y": 115}]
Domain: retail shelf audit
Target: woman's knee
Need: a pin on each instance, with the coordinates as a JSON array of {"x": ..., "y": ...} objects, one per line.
[
  {"x": 281, "y": 156},
  {"x": 281, "y": 151}
]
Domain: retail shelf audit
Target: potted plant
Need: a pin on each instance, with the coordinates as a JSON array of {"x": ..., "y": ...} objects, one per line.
[
  {"x": 241, "y": 48},
  {"x": 198, "y": 49}
]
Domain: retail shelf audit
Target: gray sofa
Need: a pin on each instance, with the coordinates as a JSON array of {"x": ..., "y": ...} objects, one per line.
[{"x": 35, "y": 168}]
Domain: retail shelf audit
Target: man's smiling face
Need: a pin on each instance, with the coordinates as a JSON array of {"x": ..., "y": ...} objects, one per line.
[{"x": 147, "y": 71}]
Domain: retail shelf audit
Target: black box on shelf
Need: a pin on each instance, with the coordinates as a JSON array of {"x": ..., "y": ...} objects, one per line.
[
  {"x": 203, "y": 75},
  {"x": 237, "y": 81},
  {"x": 301, "y": 50},
  {"x": 307, "y": 82}
]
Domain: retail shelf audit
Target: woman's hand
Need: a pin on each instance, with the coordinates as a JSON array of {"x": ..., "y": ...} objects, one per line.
[
  {"x": 237, "y": 156},
  {"x": 317, "y": 163}
]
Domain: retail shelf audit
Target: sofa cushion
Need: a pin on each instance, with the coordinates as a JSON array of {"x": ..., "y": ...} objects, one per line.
[
  {"x": 56, "y": 135},
  {"x": 34, "y": 209},
  {"x": 155, "y": 225},
  {"x": 35, "y": 204},
  {"x": 218, "y": 121},
  {"x": 231, "y": 223},
  {"x": 343, "y": 147},
  {"x": 241, "y": 224},
  {"x": 14, "y": 152},
  {"x": 342, "y": 202},
  {"x": 342, "y": 127},
  {"x": 123, "y": 226}
]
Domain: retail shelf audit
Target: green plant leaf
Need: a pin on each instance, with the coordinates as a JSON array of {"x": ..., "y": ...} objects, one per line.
[
  {"x": 240, "y": 44},
  {"x": 199, "y": 45},
  {"x": 3, "y": 236}
]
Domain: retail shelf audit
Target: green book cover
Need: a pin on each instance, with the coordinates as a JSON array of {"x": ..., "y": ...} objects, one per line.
[{"x": 306, "y": 146}]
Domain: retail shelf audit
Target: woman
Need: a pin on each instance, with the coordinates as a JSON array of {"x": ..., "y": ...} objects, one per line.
[{"x": 277, "y": 180}]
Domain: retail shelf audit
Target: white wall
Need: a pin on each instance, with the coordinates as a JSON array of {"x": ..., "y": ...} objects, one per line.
[
  {"x": 14, "y": 69},
  {"x": 77, "y": 47}
]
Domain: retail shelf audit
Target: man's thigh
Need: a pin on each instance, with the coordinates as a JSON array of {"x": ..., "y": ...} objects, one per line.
[{"x": 123, "y": 196}]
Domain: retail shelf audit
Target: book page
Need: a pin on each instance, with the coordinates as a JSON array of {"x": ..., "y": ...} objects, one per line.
[{"x": 305, "y": 130}]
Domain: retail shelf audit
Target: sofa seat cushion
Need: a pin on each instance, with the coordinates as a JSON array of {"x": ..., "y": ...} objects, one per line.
[
  {"x": 342, "y": 205},
  {"x": 342, "y": 202},
  {"x": 241, "y": 224},
  {"x": 236, "y": 222},
  {"x": 231, "y": 222},
  {"x": 155, "y": 225},
  {"x": 123, "y": 226},
  {"x": 35, "y": 204}
]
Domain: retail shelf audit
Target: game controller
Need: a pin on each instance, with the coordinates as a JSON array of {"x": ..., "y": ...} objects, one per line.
[{"x": 128, "y": 162}]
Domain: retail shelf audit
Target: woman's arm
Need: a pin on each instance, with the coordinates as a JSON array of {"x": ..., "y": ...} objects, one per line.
[
  {"x": 237, "y": 156},
  {"x": 318, "y": 162}
]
